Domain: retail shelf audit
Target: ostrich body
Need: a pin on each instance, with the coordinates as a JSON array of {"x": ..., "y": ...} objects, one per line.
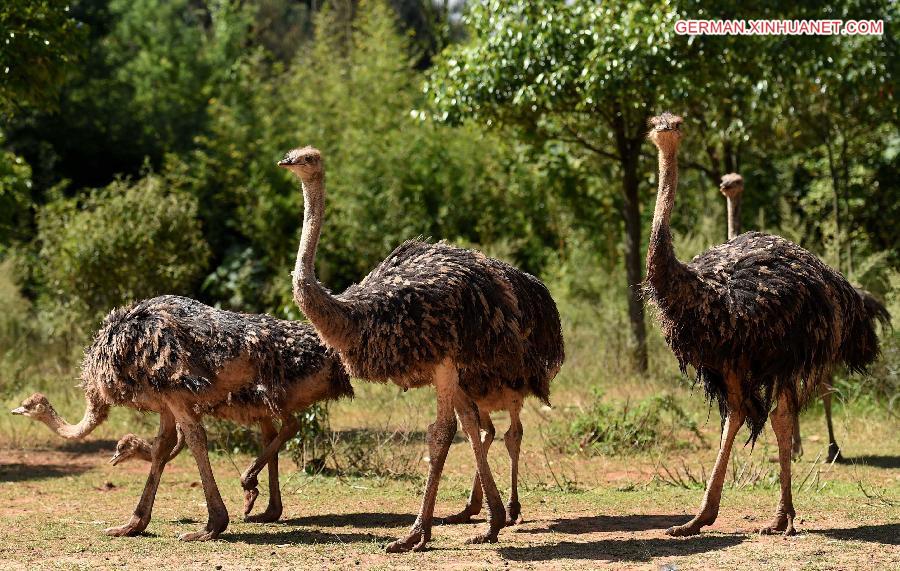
[
  {"x": 483, "y": 333},
  {"x": 183, "y": 359},
  {"x": 760, "y": 319},
  {"x": 732, "y": 187}
]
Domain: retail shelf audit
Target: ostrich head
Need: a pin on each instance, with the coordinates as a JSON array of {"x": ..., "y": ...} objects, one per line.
[
  {"x": 304, "y": 162},
  {"x": 732, "y": 185},
  {"x": 665, "y": 131},
  {"x": 37, "y": 407},
  {"x": 126, "y": 448}
]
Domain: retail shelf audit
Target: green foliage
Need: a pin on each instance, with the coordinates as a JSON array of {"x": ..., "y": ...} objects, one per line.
[
  {"x": 15, "y": 197},
  {"x": 128, "y": 241},
  {"x": 39, "y": 42},
  {"x": 616, "y": 428}
]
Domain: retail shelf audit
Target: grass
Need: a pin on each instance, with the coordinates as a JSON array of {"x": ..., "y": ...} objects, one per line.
[{"x": 580, "y": 510}]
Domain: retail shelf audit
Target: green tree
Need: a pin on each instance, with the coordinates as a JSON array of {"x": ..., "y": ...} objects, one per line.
[
  {"x": 39, "y": 42},
  {"x": 122, "y": 243}
]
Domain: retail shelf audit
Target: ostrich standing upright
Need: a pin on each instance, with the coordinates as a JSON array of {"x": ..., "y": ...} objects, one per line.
[
  {"x": 183, "y": 359},
  {"x": 483, "y": 333},
  {"x": 760, "y": 319},
  {"x": 732, "y": 187}
]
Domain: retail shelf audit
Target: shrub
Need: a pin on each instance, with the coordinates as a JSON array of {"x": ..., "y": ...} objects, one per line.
[{"x": 128, "y": 241}]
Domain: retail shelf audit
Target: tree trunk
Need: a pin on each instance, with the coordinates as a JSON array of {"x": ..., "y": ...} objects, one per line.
[{"x": 634, "y": 273}]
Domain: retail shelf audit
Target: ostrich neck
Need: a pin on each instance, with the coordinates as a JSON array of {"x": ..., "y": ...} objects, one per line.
[
  {"x": 313, "y": 211},
  {"x": 734, "y": 216},
  {"x": 661, "y": 260},
  {"x": 329, "y": 315},
  {"x": 94, "y": 415}
]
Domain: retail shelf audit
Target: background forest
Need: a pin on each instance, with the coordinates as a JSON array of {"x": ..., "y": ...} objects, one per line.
[{"x": 138, "y": 140}]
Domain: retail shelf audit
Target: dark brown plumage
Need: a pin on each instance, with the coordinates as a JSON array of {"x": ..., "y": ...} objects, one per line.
[
  {"x": 759, "y": 318},
  {"x": 183, "y": 359},
  {"x": 732, "y": 187},
  {"x": 484, "y": 333}
]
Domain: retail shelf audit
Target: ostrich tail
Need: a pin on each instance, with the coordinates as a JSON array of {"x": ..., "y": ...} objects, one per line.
[
  {"x": 875, "y": 309},
  {"x": 860, "y": 347}
]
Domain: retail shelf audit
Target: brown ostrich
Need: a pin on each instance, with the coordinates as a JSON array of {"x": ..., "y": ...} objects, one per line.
[
  {"x": 483, "y": 333},
  {"x": 760, "y": 319},
  {"x": 183, "y": 359},
  {"x": 732, "y": 187}
]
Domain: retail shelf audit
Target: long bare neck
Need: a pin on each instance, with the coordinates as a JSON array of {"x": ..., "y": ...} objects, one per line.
[
  {"x": 329, "y": 315},
  {"x": 734, "y": 215},
  {"x": 94, "y": 415},
  {"x": 661, "y": 258}
]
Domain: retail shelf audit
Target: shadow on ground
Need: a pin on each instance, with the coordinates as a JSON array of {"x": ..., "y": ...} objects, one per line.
[
  {"x": 592, "y": 524},
  {"x": 888, "y": 534},
  {"x": 366, "y": 520},
  {"x": 873, "y": 460},
  {"x": 635, "y": 550},
  {"x": 86, "y": 446},
  {"x": 19, "y": 472},
  {"x": 302, "y": 536}
]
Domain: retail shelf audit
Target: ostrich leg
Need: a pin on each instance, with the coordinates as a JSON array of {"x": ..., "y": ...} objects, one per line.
[
  {"x": 275, "y": 508},
  {"x": 440, "y": 435},
  {"x": 834, "y": 451},
  {"x": 272, "y": 444},
  {"x": 467, "y": 411},
  {"x": 476, "y": 497},
  {"x": 513, "y": 441},
  {"x": 160, "y": 454},
  {"x": 217, "y": 521},
  {"x": 796, "y": 439},
  {"x": 709, "y": 509},
  {"x": 782, "y": 425}
]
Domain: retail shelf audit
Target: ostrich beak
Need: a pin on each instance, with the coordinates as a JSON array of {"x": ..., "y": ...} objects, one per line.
[
  {"x": 18, "y": 411},
  {"x": 282, "y": 163},
  {"x": 116, "y": 458}
]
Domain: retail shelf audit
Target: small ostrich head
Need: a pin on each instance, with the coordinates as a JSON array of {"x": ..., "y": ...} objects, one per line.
[
  {"x": 732, "y": 185},
  {"x": 305, "y": 162},
  {"x": 36, "y": 406},
  {"x": 665, "y": 131},
  {"x": 126, "y": 448}
]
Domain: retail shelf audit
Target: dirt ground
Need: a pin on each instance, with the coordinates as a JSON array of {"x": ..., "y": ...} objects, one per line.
[{"x": 580, "y": 513}]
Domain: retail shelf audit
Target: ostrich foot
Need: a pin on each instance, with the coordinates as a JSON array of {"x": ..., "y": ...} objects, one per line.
[
  {"x": 249, "y": 499},
  {"x": 834, "y": 453},
  {"x": 782, "y": 523},
  {"x": 130, "y": 529},
  {"x": 513, "y": 514},
  {"x": 214, "y": 527},
  {"x": 690, "y": 528},
  {"x": 272, "y": 514},
  {"x": 489, "y": 536},
  {"x": 465, "y": 516},
  {"x": 414, "y": 541}
]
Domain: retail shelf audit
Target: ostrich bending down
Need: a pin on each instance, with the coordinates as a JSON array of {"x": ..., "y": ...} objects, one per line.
[
  {"x": 184, "y": 359},
  {"x": 759, "y": 318},
  {"x": 485, "y": 334},
  {"x": 732, "y": 187}
]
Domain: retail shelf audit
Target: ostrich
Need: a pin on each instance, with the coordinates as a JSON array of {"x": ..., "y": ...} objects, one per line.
[
  {"x": 249, "y": 407},
  {"x": 732, "y": 187},
  {"x": 183, "y": 359},
  {"x": 483, "y": 333},
  {"x": 760, "y": 319}
]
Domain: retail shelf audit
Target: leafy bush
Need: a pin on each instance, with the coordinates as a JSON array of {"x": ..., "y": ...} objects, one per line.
[
  {"x": 615, "y": 428},
  {"x": 128, "y": 241}
]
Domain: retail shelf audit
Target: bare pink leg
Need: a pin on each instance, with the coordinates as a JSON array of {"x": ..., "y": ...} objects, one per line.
[
  {"x": 468, "y": 414},
  {"x": 195, "y": 436},
  {"x": 709, "y": 509},
  {"x": 275, "y": 508},
  {"x": 159, "y": 455},
  {"x": 834, "y": 451},
  {"x": 782, "y": 419},
  {"x": 513, "y": 441},
  {"x": 440, "y": 435},
  {"x": 476, "y": 496},
  {"x": 272, "y": 444}
]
